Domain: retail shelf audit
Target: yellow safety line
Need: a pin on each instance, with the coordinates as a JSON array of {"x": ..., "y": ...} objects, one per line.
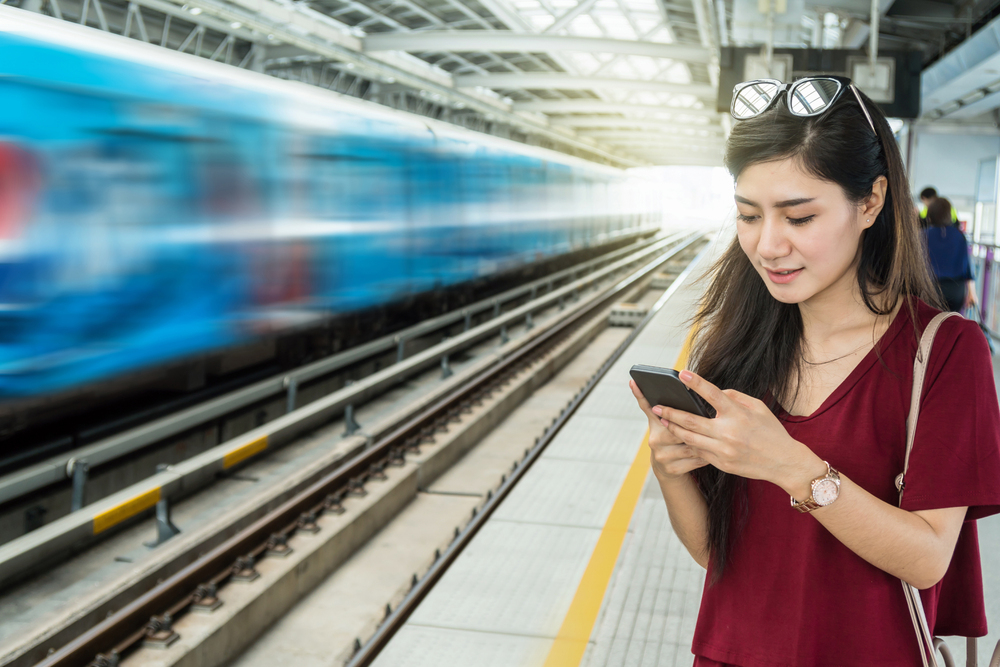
[
  {"x": 244, "y": 452},
  {"x": 571, "y": 641},
  {"x": 125, "y": 510}
]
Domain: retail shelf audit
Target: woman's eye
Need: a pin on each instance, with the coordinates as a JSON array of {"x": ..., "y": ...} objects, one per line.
[
  {"x": 801, "y": 221},
  {"x": 745, "y": 218}
]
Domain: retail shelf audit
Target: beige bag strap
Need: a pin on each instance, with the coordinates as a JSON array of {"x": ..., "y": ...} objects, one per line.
[
  {"x": 919, "y": 371},
  {"x": 924, "y": 638}
]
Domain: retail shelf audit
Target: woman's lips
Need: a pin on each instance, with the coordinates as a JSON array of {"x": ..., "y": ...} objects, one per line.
[{"x": 782, "y": 278}]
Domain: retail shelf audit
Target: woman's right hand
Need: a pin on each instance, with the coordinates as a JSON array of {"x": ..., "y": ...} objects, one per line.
[{"x": 669, "y": 456}]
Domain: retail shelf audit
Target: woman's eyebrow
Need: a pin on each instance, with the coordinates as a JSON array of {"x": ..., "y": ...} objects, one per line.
[{"x": 788, "y": 203}]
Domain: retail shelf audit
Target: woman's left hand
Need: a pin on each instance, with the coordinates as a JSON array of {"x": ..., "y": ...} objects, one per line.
[{"x": 744, "y": 438}]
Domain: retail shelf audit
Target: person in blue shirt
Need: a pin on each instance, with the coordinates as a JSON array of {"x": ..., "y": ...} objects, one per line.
[{"x": 948, "y": 252}]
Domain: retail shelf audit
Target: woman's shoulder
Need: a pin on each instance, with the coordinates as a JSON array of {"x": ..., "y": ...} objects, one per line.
[{"x": 955, "y": 332}]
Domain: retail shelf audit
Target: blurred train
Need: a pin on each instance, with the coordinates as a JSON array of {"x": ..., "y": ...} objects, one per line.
[{"x": 155, "y": 206}]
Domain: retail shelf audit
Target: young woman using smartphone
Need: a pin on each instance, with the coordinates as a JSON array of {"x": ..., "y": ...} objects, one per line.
[{"x": 805, "y": 343}]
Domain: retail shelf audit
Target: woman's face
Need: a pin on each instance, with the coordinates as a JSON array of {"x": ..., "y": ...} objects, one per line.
[{"x": 800, "y": 232}]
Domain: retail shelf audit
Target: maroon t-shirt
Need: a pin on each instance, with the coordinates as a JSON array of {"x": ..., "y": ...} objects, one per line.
[{"x": 794, "y": 596}]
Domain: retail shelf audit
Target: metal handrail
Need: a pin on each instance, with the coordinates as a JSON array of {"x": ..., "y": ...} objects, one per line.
[{"x": 983, "y": 257}]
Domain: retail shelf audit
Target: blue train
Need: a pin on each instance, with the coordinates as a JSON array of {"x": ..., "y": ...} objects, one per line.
[{"x": 155, "y": 206}]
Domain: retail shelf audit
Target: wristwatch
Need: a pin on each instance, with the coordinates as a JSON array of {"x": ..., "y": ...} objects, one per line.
[{"x": 825, "y": 490}]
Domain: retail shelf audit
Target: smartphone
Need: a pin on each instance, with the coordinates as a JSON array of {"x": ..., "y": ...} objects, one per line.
[{"x": 663, "y": 386}]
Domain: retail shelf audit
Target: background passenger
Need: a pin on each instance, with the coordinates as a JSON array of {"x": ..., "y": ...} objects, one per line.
[
  {"x": 927, "y": 196},
  {"x": 949, "y": 257},
  {"x": 805, "y": 343}
]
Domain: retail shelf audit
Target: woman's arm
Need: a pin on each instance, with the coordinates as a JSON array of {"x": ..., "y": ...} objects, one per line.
[
  {"x": 672, "y": 462},
  {"x": 913, "y": 546},
  {"x": 688, "y": 513},
  {"x": 746, "y": 439}
]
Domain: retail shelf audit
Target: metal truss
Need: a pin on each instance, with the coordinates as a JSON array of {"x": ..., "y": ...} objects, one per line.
[
  {"x": 156, "y": 22},
  {"x": 520, "y": 69}
]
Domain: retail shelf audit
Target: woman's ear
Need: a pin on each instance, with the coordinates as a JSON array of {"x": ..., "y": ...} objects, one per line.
[{"x": 873, "y": 205}]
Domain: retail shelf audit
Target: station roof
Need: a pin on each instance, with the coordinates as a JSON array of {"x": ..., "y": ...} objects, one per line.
[{"x": 623, "y": 82}]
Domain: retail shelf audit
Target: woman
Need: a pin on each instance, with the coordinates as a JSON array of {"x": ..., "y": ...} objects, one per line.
[
  {"x": 805, "y": 344},
  {"x": 949, "y": 256}
]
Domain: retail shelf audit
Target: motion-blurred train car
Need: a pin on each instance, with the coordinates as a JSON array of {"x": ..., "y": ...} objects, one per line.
[{"x": 156, "y": 206}]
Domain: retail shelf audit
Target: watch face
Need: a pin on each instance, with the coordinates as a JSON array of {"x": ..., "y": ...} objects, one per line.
[{"x": 825, "y": 492}]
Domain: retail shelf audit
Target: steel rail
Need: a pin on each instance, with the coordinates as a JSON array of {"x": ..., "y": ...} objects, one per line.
[
  {"x": 102, "y": 644},
  {"x": 55, "y": 469},
  {"x": 397, "y": 618}
]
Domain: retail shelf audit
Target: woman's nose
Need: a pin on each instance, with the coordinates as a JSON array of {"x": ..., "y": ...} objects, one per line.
[{"x": 772, "y": 243}]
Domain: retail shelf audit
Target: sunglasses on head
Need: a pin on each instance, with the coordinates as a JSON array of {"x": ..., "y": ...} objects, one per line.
[{"x": 806, "y": 97}]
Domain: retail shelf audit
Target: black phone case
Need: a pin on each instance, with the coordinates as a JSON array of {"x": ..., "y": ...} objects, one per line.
[{"x": 663, "y": 386}]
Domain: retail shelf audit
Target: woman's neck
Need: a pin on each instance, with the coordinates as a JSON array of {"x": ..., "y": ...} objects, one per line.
[{"x": 830, "y": 318}]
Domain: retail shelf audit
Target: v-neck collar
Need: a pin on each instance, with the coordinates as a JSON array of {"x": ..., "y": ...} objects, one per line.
[{"x": 899, "y": 321}]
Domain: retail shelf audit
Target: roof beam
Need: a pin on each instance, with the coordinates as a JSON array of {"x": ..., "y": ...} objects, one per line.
[
  {"x": 298, "y": 26},
  {"x": 641, "y": 149},
  {"x": 582, "y": 7},
  {"x": 653, "y": 139},
  {"x": 507, "y": 14},
  {"x": 543, "y": 80},
  {"x": 504, "y": 41},
  {"x": 600, "y": 106},
  {"x": 678, "y": 158},
  {"x": 610, "y": 121},
  {"x": 651, "y": 134}
]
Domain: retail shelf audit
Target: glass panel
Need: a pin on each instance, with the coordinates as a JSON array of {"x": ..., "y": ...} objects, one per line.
[
  {"x": 753, "y": 99},
  {"x": 986, "y": 201},
  {"x": 811, "y": 97}
]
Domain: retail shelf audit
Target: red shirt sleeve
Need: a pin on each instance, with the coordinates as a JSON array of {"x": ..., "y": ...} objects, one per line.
[{"x": 955, "y": 460}]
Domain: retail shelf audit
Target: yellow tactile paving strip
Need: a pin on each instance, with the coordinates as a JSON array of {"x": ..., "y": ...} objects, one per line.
[{"x": 571, "y": 641}]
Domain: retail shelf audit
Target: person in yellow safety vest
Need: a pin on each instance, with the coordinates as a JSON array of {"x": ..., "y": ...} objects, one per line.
[{"x": 927, "y": 197}]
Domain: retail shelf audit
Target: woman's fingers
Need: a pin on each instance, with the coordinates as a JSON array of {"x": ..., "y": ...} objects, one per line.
[
  {"x": 643, "y": 403},
  {"x": 742, "y": 399},
  {"x": 654, "y": 418},
  {"x": 675, "y": 459},
  {"x": 685, "y": 420},
  {"x": 715, "y": 397},
  {"x": 690, "y": 438}
]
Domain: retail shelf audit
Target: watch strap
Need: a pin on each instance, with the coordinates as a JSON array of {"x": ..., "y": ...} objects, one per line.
[
  {"x": 810, "y": 504},
  {"x": 807, "y": 505}
]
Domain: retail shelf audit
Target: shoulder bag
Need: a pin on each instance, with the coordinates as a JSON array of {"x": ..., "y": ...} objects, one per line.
[{"x": 929, "y": 644}]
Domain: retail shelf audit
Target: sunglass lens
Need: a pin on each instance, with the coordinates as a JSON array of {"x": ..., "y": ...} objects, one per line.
[
  {"x": 753, "y": 99},
  {"x": 813, "y": 96}
]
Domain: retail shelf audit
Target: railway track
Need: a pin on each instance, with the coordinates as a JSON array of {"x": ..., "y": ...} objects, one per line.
[
  {"x": 261, "y": 404},
  {"x": 195, "y": 585},
  {"x": 290, "y": 387}
]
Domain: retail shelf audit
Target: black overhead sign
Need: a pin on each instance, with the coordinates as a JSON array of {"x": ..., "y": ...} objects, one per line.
[{"x": 901, "y": 99}]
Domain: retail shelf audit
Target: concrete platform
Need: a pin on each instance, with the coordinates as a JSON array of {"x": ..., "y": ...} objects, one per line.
[{"x": 505, "y": 599}]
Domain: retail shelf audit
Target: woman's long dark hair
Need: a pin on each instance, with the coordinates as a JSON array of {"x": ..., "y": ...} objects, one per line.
[{"x": 749, "y": 341}]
